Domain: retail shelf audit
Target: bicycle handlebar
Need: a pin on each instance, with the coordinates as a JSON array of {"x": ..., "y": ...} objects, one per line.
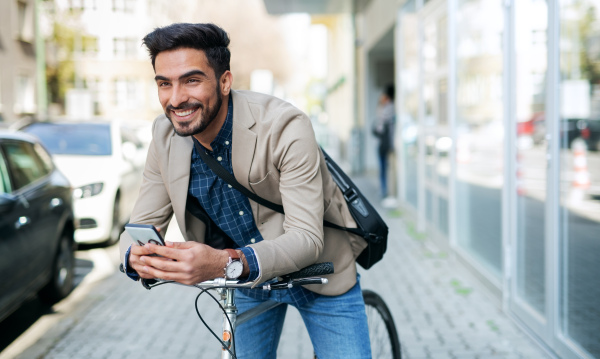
[{"x": 301, "y": 277}]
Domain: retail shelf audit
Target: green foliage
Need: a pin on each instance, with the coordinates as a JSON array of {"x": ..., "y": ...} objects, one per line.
[{"x": 60, "y": 75}]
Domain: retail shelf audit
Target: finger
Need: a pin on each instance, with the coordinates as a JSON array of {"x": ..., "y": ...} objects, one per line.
[
  {"x": 151, "y": 272},
  {"x": 139, "y": 250},
  {"x": 176, "y": 252},
  {"x": 163, "y": 264}
]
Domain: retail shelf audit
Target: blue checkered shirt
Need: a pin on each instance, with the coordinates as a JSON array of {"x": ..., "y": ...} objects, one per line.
[{"x": 230, "y": 209}]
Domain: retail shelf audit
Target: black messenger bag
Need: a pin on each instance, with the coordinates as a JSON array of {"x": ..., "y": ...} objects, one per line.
[{"x": 370, "y": 224}]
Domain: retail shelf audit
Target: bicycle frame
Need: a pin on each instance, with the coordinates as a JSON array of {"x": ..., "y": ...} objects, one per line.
[
  {"x": 231, "y": 316},
  {"x": 226, "y": 290}
]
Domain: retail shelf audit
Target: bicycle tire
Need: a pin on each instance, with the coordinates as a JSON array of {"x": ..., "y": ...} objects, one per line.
[{"x": 382, "y": 330}]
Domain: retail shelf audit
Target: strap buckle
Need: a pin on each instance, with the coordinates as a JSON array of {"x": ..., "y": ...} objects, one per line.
[{"x": 350, "y": 195}]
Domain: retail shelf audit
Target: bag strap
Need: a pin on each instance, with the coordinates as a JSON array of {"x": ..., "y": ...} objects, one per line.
[{"x": 220, "y": 171}]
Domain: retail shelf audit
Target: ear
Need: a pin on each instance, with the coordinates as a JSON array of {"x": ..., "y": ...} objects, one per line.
[{"x": 226, "y": 82}]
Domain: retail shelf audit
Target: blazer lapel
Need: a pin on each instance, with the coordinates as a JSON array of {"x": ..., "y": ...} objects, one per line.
[
  {"x": 180, "y": 159},
  {"x": 244, "y": 140}
]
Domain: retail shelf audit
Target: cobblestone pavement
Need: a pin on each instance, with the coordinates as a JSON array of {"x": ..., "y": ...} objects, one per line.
[{"x": 440, "y": 310}]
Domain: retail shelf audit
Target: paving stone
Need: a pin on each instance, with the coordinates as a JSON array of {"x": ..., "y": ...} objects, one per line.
[{"x": 120, "y": 319}]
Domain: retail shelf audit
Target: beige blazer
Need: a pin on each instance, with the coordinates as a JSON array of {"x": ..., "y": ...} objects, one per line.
[{"x": 275, "y": 155}]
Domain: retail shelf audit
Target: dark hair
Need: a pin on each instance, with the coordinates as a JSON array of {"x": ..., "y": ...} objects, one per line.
[
  {"x": 206, "y": 37},
  {"x": 390, "y": 91}
]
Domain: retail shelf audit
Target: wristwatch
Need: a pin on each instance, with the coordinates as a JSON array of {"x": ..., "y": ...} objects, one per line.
[{"x": 234, "y": 268}]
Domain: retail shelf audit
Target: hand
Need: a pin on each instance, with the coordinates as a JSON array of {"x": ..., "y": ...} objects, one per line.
[
  {"x": 184, "y": 262},
  {"x": 135, "y": 263}
]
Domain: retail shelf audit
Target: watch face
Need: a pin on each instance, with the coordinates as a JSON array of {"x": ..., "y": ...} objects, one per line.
[{"x": 234, "y": 269}]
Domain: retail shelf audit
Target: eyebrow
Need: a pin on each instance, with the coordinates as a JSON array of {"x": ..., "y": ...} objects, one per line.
[{"x": 187, "y": 74}]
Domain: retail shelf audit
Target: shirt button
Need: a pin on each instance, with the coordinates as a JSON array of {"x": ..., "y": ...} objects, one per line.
[
  {"x": 252, "y": 240},
  {"x": 229, "y": 185},
  {"x": 219, "y": 158},
  {"x": 241, "y": 213},
  {"x": 226, "y": 142}
]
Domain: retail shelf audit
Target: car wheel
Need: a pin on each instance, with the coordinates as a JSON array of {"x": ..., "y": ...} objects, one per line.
[
  {"x": 61, "y": 282},
  {"x": 116, "y": 228}
]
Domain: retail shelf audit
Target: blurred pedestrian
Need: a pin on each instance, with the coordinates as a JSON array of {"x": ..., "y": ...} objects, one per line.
[{"x": 383, "y": 129}]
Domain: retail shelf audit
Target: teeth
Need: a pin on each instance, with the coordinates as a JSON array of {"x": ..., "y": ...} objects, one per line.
[{"x": 184, "y": 113}]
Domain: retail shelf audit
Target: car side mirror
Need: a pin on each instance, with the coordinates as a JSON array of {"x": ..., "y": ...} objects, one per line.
[{"x": 7, "y": 202}]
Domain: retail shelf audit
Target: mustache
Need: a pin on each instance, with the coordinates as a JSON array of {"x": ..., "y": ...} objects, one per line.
[{"x": 185, "y": 106}]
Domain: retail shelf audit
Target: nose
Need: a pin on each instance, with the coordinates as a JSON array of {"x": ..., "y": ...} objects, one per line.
[{"x": 178, "y": 96}]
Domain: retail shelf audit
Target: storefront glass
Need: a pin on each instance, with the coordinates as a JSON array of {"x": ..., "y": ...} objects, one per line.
[
  {"x": 580, "y": 172},
  {"x": 409, "y": 90},
  {"x": 531, "y": 24},
  {"x": 480, "y": 131}
]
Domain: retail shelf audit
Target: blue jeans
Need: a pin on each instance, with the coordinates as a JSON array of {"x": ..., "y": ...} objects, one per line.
[
  {"x": 383, "y": 166},
  {"x": 337, "y": 326}
]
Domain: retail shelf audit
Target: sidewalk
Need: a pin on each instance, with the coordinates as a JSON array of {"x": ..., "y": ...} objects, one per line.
[{"x": 439, "y": 309}]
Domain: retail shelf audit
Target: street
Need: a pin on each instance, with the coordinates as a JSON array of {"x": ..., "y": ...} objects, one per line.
[
  {"x": 440, "y": 310},
  {"x": 34, "y": 320}
]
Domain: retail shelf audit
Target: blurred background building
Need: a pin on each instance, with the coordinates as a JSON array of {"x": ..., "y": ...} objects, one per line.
[
  {"x": 17, "y": 59},
  {"x": 497, "y": 142},
  {"x": 497, "y": 146}
]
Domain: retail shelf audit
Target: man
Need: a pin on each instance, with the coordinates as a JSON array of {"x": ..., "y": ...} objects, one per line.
[
  {"x": 270, "y": 148},
  {"x": 383, "y": 129}
]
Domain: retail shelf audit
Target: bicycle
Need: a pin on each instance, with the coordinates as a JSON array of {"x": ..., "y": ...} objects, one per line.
[{"x": 382, "y": 329}]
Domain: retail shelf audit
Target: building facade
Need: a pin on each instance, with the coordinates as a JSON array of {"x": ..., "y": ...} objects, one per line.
[{"x": 18, "y": 97}]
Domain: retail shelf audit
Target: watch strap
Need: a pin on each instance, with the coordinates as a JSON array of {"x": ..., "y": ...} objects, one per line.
[{"x": 233, "y": 254}]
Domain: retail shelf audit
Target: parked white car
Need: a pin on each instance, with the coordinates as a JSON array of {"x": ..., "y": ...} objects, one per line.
[{"x": 103, "y": 161}]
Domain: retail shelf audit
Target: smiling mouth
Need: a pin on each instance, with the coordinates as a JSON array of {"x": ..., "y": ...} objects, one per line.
[{"x": 185, "y": 113}]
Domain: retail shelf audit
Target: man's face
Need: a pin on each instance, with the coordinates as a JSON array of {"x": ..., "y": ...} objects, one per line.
[{"x": 188, "y": 90}]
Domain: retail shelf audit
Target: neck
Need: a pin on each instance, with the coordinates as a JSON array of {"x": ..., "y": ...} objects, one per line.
[{"x": 210, "y": 133}]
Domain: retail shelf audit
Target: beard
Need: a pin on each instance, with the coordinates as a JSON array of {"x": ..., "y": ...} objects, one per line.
[{"x": 196, "y": 125}]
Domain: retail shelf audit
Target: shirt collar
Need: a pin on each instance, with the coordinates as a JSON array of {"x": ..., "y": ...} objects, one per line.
[{"x": 224, "y": 136}]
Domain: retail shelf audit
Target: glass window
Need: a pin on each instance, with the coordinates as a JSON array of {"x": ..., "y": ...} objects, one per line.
[
  {"x": 409, "y": 98},
  {"x": 127, "y": 93},
  {"x": 24, "y": 164},
  {"x": 480, "y": 139},
  {"x": 580, "y": 172},
  {"x": 531, "y": 57},
  {"x": 126, "y": 47},
  {"x": 25, "y": 21},
  {"x": 74, "y": 139},
  {"x": 4, "y": 177},
  {"x": 125, "y": 6},
  {"x": 25, "y": 102}
]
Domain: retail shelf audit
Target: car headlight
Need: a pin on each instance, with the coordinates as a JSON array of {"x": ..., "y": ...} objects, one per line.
[{"x": 88, "y": 190}]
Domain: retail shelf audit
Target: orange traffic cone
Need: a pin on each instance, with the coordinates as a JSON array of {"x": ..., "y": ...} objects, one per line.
[{"x": 581, "y": 177}]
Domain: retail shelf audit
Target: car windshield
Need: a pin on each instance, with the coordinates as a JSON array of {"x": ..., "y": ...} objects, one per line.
[{"x": 86, "y": 139}]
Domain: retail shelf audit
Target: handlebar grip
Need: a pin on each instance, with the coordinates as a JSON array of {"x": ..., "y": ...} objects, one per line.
[{"x": 314, "y": 270}]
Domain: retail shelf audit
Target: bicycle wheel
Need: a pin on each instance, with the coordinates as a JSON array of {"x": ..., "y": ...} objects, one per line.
[{"x": 382, "y": 330}]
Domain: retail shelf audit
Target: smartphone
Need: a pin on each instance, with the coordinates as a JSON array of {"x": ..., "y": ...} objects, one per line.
[{"x": 144, "y": 233}]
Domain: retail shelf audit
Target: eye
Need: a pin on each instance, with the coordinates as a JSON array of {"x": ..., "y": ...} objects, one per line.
[{"x": 163, "y": 84}]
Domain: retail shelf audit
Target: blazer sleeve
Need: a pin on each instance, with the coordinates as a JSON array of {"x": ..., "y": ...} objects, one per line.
[
  {"x": 295, "y": 153},
  {"x": 153, "y": 205}
]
